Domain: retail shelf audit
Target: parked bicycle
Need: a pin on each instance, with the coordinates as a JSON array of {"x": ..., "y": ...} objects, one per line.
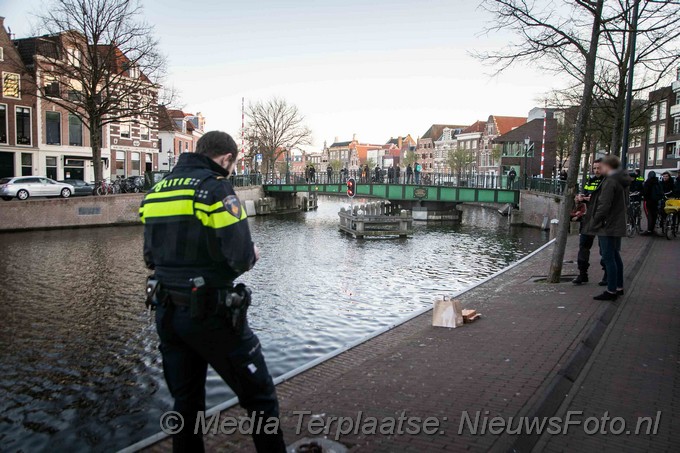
[
  {"x": 103, "y": 188},
  {"x": 672, "y": 218},
  {"x": 634, "y": 215}
]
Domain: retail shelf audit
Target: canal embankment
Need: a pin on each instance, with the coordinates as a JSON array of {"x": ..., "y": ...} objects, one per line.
[
  {"x": 79, "y": 212},
  {"x": 521, "y": 359}
]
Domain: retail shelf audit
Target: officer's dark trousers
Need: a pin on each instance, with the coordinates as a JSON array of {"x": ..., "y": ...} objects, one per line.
[
  {"x": 188, "y": 347},
  {"x": 585, "y": 243}
]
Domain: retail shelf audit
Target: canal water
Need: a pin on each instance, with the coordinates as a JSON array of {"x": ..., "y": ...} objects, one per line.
[{"x": 79, "y": 354}]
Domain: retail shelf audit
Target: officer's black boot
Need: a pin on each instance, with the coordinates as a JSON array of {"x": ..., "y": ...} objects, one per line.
[{"x": 580, "y": 279}]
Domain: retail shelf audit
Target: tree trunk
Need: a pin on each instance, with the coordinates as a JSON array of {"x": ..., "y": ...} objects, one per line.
[
  {"x": 96, "y": 144},
  {"x": 579, "y": 138}
]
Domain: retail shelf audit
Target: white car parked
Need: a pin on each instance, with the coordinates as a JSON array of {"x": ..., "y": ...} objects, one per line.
[{"x": 23, "y": 187}]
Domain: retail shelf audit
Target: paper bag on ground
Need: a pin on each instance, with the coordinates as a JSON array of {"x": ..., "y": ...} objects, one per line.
[{"x": 447, "y": 313}]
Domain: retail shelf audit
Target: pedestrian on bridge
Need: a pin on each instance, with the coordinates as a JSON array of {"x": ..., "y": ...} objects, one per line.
[
  {"x": 409, "y": 174},
  {"x": 416, "y": 171},
  {"x": 397, "y": 174},
  {"x": 329, "y": 172},
  {"x": 512, "y": 174},
  {"x": 390, "y": 174}
]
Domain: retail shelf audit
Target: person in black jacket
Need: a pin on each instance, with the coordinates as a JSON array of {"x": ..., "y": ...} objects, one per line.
[
  {"x": 606, "y": 218},
  {"x": 197, "y": 242},
  {"x": 652, "y": 194}
]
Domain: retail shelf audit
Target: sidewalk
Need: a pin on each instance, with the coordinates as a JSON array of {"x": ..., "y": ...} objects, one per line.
[
  {"x": 508, "y": 363},
  {"x": 636, "y": 371}
]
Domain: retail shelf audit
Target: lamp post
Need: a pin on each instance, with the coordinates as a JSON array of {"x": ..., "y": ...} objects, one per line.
[{"x": 170, "y": 156}]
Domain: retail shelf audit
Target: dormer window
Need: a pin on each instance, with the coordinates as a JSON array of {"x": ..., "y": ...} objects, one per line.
[{"x": 131, "y": 69}]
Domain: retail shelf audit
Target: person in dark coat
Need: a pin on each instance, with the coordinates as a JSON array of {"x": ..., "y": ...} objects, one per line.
[
  {"x": 652, "y": 194},
  {"x": 329, "y": 172},
  {"x": 409, "y": 174},
  {"x": 390, "y": 174},
  {"x": 397, "y": 174},
  {"x": 607, "y": 219}
]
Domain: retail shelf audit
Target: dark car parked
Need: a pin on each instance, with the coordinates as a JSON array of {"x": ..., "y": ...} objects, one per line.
[{"x": 81, "y": 187}]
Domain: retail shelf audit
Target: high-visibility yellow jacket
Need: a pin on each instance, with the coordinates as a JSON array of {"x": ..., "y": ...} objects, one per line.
[{"x": 195, "y": 226}]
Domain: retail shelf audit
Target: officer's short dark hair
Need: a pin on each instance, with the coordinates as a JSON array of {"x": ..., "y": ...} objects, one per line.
[
  {"x": 598, "y": 160},
  {"x": 216, "y": 143}
]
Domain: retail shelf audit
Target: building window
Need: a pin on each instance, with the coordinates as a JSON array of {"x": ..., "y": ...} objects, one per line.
[
  {"x": 650, "y": 156},
  {"x": 120, "y": 163},
  {"x": 23, "y": 125},
  {"x": 51, "y": 86},
  {"x": 653, "y": 115},
  {"x": 75, "y": 91},
  {"x": 26, "y": 164},
  {"x": 134, "y": 164},
  {"x": 652, "y": 135},
  {"x": 662, "y": 133},
  {"x": 53, "y": 128},
  {"x": 75, "y": 131},
  {"x": 662, "y": 110},
  {"x": 11, "y": 85},
  {"x": 3, "y": 124},
  {"x": 74, "y": 56},
  {"x": 179, "y": 148},
  {"x": 676, "y": 124},
  {"x": 125, "y": 130},
  {"x": 144, "y": 132},
  {"x": 51, "y": 167},
  {"x": 659, "y": 155}
]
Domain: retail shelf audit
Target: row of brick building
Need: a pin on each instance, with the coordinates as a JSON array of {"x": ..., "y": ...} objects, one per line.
[
  {"x": 499, "y": 144},
  {"x": 38, "y": 137}
]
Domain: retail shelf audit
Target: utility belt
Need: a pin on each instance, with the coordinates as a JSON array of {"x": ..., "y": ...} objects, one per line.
[{"x": 230, "y": 303}]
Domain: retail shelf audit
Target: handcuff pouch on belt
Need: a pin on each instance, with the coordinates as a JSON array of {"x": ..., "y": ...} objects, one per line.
[
  {"x": 152, "y": 292},
  {"x": 233, "y": 304}
]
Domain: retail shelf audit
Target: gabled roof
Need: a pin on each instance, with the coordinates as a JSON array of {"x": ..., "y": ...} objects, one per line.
[
  {"x": 478, "y": 126},
  {"x": 435, "y": 131},
  {"x": 533, "y": 130},
  {"x": 165, "y": 121},
  {"x": 505, "y": 124},
  {"x": 341, "y": 144}
]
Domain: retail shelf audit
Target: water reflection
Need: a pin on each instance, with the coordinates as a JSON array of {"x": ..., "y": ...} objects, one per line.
[{"x": 79, "y": 354}]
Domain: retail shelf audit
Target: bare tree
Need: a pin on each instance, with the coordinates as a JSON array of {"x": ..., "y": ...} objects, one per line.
[
  {"x": 99, "y": 61},
  {"x": 278, "y": 128},
  {"x": 566, "y": 39},
  {"x": 458, "y": 161}
]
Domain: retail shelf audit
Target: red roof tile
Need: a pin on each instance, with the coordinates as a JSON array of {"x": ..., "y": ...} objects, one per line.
[{"x": 505, "y": 124}]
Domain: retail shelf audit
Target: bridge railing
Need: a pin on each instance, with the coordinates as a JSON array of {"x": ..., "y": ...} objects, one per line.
[{"x": 425, "y": 179}]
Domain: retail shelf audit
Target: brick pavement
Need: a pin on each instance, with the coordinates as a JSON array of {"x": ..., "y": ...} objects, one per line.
[
  {"x": 636, "y": 369},
  {"x": 504, "y": 363}
]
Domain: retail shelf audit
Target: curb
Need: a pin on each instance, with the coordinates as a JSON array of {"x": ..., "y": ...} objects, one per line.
[{"x": 561, "y": 384}]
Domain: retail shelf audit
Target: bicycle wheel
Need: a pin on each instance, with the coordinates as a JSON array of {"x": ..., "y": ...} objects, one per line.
[
  {"x": 669, "y": 226},
  {"x": 630, "y": 228}
]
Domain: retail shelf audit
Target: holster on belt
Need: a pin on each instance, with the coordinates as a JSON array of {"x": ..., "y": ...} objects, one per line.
[
  {"x": 233, "y": 305},
  {"x": 152, "y": 292}
]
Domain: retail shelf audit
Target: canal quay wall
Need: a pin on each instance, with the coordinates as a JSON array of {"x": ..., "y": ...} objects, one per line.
[
  {"x": 79, "y": 212},
  {"x": 536, "y": 209}
]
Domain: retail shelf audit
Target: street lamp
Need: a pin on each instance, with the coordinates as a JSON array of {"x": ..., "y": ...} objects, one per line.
[{"x": 169, "y": 153}]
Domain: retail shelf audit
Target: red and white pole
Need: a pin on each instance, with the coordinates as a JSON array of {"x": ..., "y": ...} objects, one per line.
[
  {"x": 545, "y": 125},
  {"x": 243, "y": 135}
]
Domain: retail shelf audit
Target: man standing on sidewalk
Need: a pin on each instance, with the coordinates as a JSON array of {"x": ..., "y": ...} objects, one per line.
[
  {"x": 607, "y": 220},
  {"x": 586, "y": 241}
]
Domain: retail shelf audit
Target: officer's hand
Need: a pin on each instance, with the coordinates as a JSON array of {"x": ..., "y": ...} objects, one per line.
[{"x": 257, "y": 253}]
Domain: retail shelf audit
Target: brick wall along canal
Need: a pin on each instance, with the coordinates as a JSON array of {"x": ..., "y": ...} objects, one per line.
[{"x": 79, "y": 354}]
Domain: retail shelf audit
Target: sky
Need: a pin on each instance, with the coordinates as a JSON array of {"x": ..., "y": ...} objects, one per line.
[{"x": 374, "y": 68}]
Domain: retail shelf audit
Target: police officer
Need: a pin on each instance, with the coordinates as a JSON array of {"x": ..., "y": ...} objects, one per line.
[
  {"x": 586, "y": 241},
  {"x": 197, "y": 242}
]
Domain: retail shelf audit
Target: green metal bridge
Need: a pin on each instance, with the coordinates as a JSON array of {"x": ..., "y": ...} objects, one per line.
[{"x": 405, "y": 192}]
